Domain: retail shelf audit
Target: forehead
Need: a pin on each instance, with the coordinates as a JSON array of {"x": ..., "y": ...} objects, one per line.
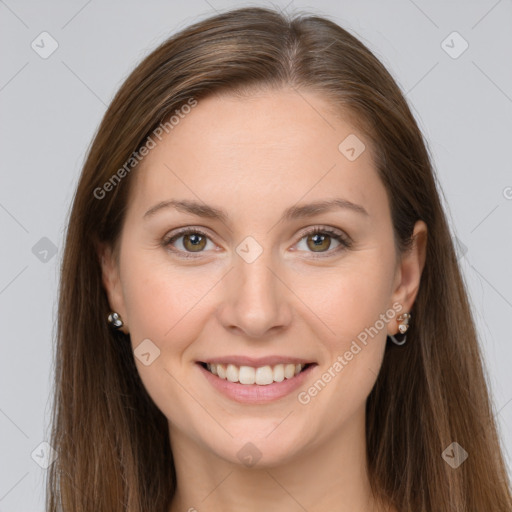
[{"x": 259, "y": 150}]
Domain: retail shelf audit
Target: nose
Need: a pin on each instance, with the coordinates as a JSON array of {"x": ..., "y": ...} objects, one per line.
[{"x": 256, "y": 299}]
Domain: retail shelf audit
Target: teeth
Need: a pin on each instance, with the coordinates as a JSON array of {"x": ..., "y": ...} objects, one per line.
[
  {"x": 262, "y": 376},
  {"x": 247, "y": 375},
  {"x": 289, "y": 371},
  {"x": 221, "y": 371},
  {"x": 232, "y": 373}
]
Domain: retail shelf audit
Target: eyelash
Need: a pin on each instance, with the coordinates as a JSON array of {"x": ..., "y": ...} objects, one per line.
[{"x": 345, "y": 242}]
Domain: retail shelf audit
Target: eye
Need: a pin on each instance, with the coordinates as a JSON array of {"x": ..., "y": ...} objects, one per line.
[
  {"x": 319, "y": 240},
  {"x": 193, "y": 241}
]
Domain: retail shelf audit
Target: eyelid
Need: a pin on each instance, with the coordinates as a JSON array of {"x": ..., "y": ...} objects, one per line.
[
  {"x": 321, "y": 228},
  {"x": 179, "y": 232},
  {"x": 339, "y": 235},
  {"x": 187, "y": 230}
]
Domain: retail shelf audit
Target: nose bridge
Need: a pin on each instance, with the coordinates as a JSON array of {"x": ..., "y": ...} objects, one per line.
[
  {"x": 256, "y": 299},
  {"x": 255, "y": 280}
]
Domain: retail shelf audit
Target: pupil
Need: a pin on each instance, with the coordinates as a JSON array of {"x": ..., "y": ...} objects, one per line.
[
  {"x": 320, "y": 241},
  {"x": 194, "y": 242}
]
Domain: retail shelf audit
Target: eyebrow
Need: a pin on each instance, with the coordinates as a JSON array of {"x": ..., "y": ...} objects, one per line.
[{"x": 291, "y": 213}]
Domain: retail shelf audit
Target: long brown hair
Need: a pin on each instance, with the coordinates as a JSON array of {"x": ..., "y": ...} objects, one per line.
[{"x": 112, "y": 441}]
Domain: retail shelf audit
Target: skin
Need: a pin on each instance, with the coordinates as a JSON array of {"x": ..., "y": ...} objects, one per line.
[{"x": 254, "y": 157}]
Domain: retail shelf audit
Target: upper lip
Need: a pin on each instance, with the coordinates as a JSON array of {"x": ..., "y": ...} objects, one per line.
[{"x": 255, "y": 362}]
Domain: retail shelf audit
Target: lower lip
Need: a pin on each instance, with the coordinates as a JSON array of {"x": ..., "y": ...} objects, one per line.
[{"x": 255, "y": 393}]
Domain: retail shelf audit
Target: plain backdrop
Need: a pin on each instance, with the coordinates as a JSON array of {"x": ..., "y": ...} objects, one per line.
[{"x": 51, "y": 106}]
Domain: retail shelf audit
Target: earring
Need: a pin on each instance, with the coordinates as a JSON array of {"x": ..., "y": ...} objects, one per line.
[
  {"x": 114, "y": 320},
  {"x": 403, "y": 325}
]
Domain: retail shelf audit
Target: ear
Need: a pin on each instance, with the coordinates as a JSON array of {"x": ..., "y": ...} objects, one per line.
[
  {"x": 112, "y": 282},
  {"x": 409, "y": 270}
]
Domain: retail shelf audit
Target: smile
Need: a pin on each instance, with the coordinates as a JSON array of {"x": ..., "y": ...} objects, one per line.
[
  {"x": 257, "y": 384},
  {"x": 262, "y": 376}
]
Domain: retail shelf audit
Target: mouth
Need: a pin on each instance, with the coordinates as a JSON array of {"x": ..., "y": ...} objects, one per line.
[
  {"x": 258, "y": 384},
  {"x": 251, "y": 375}
]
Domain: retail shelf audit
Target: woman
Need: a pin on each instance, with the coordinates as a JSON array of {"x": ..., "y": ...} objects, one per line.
[{"x": 260, "y": 304}]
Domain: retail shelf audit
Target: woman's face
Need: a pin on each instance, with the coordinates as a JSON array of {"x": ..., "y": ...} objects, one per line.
[{"x": 256, "y": 288}]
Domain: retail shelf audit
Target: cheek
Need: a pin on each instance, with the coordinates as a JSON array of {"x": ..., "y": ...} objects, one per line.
[
  {"x": 353, "y": 301},
  {"x": 171, "y": 304},
  {"x": 350, "y": 297},
  {"x": 166, "y": 305},
  {"x": 162, "y": 298}
]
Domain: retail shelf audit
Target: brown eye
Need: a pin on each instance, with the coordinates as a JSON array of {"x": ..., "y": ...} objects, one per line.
[
  {"x": 187, "y": 241},
  {"x": 194, "y": 242},
  {"x": 319, "y": 242}
]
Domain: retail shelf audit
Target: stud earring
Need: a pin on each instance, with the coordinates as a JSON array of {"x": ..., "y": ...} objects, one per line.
[
  {"x": 403, "y": 325},
  {"x": 114, "y": 320}
]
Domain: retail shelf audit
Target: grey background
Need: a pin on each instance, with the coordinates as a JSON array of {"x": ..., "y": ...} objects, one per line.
[{"x": 51, "y": 108}]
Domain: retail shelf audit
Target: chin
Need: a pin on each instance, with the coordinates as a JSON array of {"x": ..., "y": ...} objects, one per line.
[{"x": 257, "y": 450}]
